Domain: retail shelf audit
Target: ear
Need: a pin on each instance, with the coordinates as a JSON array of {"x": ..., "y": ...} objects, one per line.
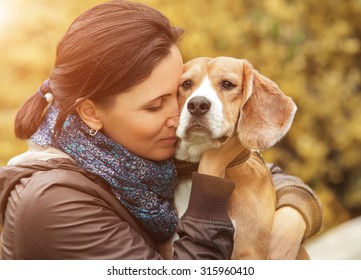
[
  {"x": 266, "y": 115},
  {"x": 88, "y": 113}
]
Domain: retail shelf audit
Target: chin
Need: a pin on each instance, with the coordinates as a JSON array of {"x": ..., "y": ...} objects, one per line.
[{"x": 162, "y": 155}]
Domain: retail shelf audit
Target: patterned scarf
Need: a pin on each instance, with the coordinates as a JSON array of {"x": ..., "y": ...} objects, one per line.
[{"x": 143, "y": 187}]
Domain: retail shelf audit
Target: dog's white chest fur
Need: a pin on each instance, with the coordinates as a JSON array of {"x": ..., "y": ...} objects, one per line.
[{"x": 181, "y": 196}]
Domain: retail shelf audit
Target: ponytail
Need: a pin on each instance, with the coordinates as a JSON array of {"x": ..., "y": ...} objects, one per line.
[{"x": 30, "y": 116}]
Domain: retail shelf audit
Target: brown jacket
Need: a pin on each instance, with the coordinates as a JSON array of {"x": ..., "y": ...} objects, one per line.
[{"x": 56, "y": 210}]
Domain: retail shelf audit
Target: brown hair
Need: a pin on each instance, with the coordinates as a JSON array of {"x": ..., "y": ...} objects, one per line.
[{"x": 108, "y": 49}]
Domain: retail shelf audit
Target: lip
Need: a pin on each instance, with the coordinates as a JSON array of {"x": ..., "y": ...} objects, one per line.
[{"x": 169, "y": 140}]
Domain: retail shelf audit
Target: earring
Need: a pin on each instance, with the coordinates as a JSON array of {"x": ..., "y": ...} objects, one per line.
[{"x": 93, "y": 132}]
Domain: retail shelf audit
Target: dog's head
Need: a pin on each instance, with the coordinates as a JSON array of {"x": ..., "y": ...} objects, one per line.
[{"x": 222, "y": 96}]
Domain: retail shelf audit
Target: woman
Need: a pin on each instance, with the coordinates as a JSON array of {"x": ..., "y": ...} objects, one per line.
[{"x": 97, "y": 180}]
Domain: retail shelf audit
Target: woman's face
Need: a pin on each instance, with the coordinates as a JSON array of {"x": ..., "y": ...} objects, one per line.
[{"x": 143, "y": 119}]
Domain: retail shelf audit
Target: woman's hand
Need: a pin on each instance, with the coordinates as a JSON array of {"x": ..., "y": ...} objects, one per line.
[
  {"x": 214, "y": 161},
  {"x": 287, "y": 233}
]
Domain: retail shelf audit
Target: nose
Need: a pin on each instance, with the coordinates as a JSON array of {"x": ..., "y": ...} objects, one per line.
[
  {"x": 198, "y": 106},
  {"x": 172, "y": 122}
]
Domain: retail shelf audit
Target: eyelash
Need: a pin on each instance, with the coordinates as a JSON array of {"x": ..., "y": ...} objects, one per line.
[{"x": 154, "y": 108}]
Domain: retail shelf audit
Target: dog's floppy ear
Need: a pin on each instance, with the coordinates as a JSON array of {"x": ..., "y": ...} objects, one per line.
[{"x": 267, "y": 113}]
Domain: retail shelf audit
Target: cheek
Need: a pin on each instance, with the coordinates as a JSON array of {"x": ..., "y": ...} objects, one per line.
[
  {"x": 231, "y": 108},
  {"x": 145, "y": 128},
  {"x": 126, "y": 128}
]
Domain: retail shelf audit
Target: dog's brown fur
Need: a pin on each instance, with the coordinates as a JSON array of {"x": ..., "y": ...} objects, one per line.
[{"x": 252, "y": 207}]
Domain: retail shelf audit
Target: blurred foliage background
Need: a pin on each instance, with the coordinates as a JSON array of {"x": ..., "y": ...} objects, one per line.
[{"x": 311, "y": 49}]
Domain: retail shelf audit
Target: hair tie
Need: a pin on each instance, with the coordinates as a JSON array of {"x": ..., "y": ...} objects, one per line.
[{"x": 47, "y": 96}]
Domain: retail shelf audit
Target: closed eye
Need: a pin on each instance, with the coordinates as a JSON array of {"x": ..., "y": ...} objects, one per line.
[
  {"x": 154, "y": 108},
  {"x": 155, "y": 105}
]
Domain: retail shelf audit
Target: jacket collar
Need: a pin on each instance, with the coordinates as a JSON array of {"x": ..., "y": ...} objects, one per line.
[{"x": 37, "y": 152}]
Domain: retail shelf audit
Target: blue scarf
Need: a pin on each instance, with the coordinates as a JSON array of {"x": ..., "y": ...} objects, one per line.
[{"x": 143, "y": 187}]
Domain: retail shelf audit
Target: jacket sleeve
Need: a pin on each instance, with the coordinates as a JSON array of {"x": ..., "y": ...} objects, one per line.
[
  {"x": 64, "y": 223},
  {"x": 292, "y": 191},
  {"x": 205, "y": 230}
]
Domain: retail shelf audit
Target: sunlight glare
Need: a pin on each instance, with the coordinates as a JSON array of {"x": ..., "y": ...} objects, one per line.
[{"x": 5, "y": 13}]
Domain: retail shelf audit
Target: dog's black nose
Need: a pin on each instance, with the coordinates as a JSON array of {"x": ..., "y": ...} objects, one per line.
[{"x": 198, "y": 106}]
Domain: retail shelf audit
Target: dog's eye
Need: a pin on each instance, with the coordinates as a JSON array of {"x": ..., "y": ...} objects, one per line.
[
  {"x": 187, "y": 84},
  {"x": 227, "y": 85}
]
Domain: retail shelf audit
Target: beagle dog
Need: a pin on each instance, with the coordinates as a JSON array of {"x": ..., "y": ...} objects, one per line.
[{"x": 221, "y": 97}]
